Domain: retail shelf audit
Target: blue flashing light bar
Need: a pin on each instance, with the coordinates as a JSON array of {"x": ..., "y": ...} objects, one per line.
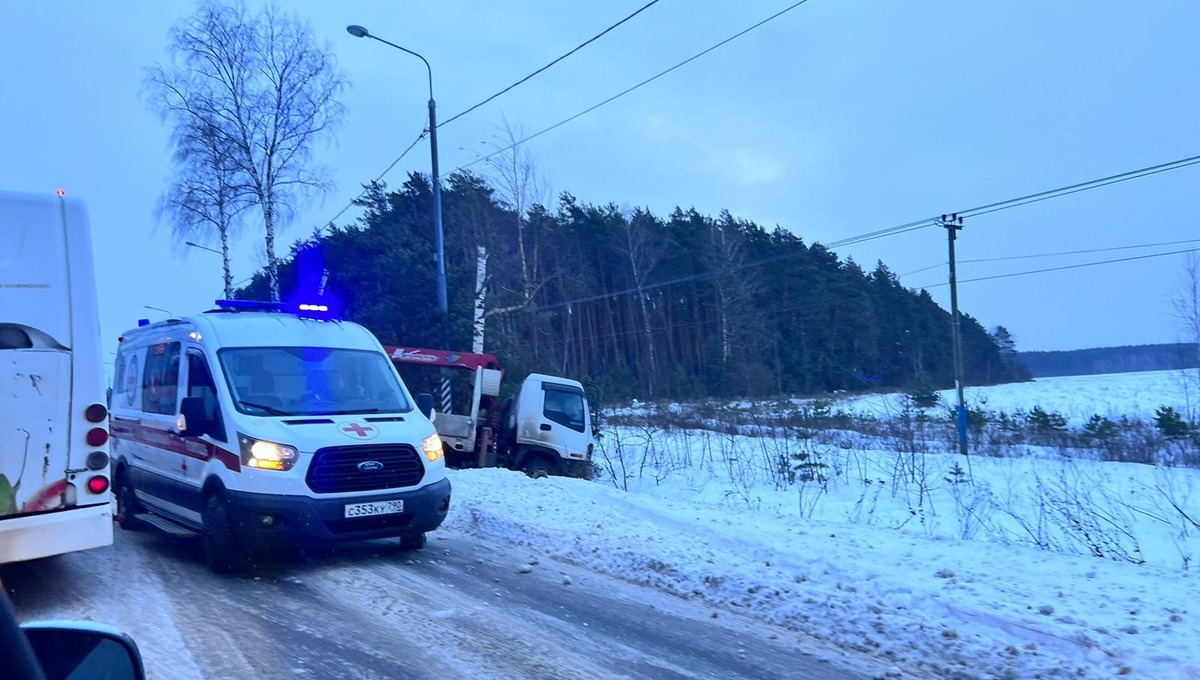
[
  {"x": 143, "y": 322},
  {"x": 251, "y": 305},
  {"x": 308, "y": 310}
]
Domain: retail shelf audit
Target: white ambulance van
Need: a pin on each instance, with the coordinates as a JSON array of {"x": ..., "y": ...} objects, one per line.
[
  {"x": 54, "y": 464},
  {"x": 258, "y": 425}
]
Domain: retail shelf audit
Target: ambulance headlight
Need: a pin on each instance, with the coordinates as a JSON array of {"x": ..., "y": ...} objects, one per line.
[
  {"x": 432, "y": 446},
  {"x": 265, "y": 455}
]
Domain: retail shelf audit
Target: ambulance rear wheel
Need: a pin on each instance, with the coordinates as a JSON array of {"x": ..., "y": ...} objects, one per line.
[
  {"x": 412, "y": 541},
  {"x": 222, "y": 549},
  {"x": 127, "y": 504}
]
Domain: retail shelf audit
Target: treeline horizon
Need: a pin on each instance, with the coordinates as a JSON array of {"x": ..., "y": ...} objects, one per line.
[{"x": 633, "y": 304}]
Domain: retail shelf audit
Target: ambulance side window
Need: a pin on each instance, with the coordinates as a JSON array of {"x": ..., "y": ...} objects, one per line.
[
  {"x": 125, "y": 384},
  {"x": 200, "y": 384},
  {"x": 160, "y": 382}
]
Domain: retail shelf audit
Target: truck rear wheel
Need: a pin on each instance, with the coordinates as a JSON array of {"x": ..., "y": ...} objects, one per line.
[
  {"x": 222, "y": 549},
  {"x": 538, "y": 467}
]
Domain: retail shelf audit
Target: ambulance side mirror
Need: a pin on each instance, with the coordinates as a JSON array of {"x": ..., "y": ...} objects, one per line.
[
  {"x": 425, "y": 404},
  {"x": 193, "y": 421}
]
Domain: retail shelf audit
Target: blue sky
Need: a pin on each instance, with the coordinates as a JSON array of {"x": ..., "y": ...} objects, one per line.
[{"x": 839, "y": 118}]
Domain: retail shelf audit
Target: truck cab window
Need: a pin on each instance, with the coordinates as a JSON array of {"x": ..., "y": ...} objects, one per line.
[{"x": 565, "y": 407}]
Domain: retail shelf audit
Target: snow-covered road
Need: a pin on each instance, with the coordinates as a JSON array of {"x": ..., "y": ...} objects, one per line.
[{"x": 464, "y": 607}]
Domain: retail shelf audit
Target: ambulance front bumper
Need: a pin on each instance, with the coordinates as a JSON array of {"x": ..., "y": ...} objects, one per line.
[{"x": 270, "y": 517}]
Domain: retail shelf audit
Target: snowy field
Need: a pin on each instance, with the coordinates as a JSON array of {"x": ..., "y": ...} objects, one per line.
[
  {"x": 1076, "y": 397},
  {"x": 1037, "y": 565}
]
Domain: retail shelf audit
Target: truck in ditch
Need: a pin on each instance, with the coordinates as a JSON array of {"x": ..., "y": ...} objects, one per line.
[{"x": 544, "y": 429}]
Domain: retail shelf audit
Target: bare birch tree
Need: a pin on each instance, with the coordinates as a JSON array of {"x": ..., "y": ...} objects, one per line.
[
  {"x": 1186, "y": 304},
  {"x": 519, "y": 185},
  {"x": 644, "y": 250},
  {"x": 262, "y": 83},
  {"x": 205, "y": 194}
]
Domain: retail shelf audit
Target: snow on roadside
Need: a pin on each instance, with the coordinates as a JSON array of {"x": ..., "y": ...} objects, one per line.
[{"x": 937, "y": 607}]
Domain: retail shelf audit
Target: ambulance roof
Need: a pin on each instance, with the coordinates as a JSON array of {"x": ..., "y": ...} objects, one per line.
[{"x": 224, "y": 328}]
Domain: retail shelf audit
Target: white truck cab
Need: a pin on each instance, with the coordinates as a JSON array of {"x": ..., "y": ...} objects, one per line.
[
  {"x": 546, "y": 428},
  {"x": 259, "y": 424}
]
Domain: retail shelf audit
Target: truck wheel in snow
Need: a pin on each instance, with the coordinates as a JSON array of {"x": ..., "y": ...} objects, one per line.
[
  {"x": 127, "y": 504},
  {"x": 223, "y": 552},
  {"x": 412, "y": 541},
  {"x": 538, "y": 468}
]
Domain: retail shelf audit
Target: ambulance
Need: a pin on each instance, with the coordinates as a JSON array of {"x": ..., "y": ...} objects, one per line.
[{"x": 261, "y": 425}]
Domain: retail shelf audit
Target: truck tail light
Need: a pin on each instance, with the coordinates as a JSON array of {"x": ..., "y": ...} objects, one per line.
[
  {"x": 97, "y": 484},
  {"x": 96, "y": 413},
  {"x": 97, "y": 436}
]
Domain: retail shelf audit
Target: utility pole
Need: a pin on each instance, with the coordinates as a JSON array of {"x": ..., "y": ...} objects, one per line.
[
  {"x": 953, "y": 224},
  {"x": 443, "y": 307}
]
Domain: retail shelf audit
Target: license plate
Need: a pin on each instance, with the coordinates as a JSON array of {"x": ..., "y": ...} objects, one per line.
[{"x": 372, "y": 509}]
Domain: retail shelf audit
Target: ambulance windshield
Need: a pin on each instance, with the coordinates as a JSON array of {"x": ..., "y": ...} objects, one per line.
[{"x": 292, "y": 381}]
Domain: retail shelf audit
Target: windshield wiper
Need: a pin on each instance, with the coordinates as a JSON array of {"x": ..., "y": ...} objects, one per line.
[
  {"x": 348, "y": 412},
  {"x": 269, "y": 409}
]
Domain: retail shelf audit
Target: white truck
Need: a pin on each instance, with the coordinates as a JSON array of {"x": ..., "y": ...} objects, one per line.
[
  {"x": 545, "y": 429},
  {"x": 54, "y": 464}
]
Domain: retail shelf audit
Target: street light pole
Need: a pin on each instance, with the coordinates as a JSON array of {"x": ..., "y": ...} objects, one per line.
[{"x": 439, "y": 237}]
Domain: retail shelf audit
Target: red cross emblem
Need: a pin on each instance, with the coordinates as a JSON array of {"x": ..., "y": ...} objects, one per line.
[{"x": 359, "y": 431}]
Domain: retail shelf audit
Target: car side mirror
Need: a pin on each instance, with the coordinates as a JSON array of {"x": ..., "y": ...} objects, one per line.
[
  {"x": 84, "y": 650},
  {"x": 425, "y": 404},
  {"x": 193, "y": 421}
]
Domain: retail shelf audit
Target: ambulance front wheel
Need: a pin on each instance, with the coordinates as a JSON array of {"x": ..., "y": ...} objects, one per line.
[
  {"x": 415, "y": 541},
  {"x": 223, "y": 551}
]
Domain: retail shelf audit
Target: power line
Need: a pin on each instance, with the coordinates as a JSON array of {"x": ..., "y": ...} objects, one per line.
[
  {"x": 789, "y": 308},
  {"x": 913, "y": 226},
  {"x": 531, "y": 75},
  {"x": 617, "y": 96},
  {"x": 377, "y": 178},
  {"x": 1025, "y": 200},
  {"x": 1064, "y": 267},
  {"x": 1058, "y": 254},
  {"x": 485, "y": 101},
  {"x": 1081, "y": 186}
]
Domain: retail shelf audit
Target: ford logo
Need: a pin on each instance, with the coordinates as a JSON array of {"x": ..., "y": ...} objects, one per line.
[{"x": 370, "y": 466}]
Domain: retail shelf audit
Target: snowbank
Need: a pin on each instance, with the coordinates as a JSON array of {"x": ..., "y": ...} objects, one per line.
[{"x": 933, "y": 606}]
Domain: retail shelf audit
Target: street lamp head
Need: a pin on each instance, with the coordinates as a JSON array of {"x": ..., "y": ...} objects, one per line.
[{"x": 357, "y": 31}]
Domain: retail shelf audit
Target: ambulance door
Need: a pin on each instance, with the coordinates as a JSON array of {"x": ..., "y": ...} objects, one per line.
[{"x": 164, "y": 453}]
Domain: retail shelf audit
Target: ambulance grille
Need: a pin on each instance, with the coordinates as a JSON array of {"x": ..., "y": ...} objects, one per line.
[{"x": 336, "y": 469}]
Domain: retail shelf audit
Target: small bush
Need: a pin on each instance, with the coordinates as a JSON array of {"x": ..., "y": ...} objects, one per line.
[
  {"x": 1043, "y": 422},
  {"x": 921, "y": 393},
  {"x": 1170, "y": 423},
  {"x": 1100, "y": 429}
]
